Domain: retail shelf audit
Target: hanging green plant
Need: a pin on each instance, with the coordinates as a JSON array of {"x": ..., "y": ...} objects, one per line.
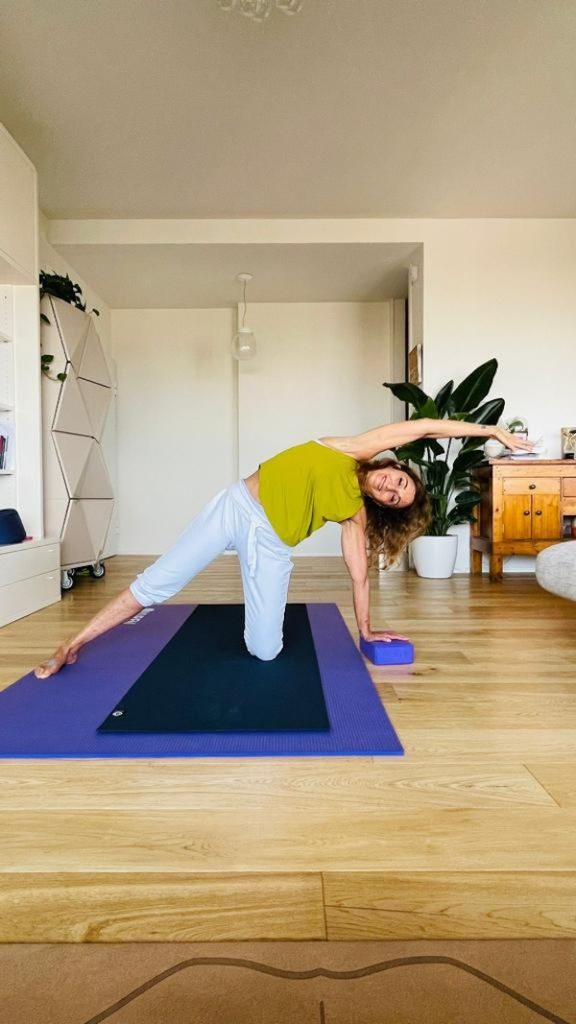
[
  {"x": 61, "y": 287},
  {"x": 45, "y": 363}
]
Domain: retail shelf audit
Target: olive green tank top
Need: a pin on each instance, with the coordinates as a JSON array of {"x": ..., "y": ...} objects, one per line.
[{"x": 307, "y": 486}]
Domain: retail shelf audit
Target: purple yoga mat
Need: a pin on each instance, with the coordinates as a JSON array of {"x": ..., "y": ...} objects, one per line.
[{"x": 58, "y": 717}]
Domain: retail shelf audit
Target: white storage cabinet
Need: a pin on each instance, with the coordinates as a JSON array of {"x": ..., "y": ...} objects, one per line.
[{"x": 29, "y": 577}]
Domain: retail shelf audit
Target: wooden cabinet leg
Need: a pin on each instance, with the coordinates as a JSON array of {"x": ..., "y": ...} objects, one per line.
[
  {"x": 475, "y": 563},
  {"x": 496, "y": 568}
]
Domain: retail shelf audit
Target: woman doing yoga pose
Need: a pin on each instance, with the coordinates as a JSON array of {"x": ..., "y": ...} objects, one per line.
[{"x": 381, "y": 506}]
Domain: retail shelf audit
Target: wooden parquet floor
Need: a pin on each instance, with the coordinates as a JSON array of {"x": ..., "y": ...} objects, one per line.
[{"x": 471, "y": 835}]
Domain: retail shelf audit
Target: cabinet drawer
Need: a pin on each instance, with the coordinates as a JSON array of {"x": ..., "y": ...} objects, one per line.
[
  {"x": 27, "y": 596},
  {"x": 529, "y": 485},
  {"x": 569, "y": 487},
  {"x": 22, "y": 565}
]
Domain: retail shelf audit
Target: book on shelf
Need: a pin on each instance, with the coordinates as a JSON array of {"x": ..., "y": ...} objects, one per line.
[{"x": 6, "y": 446}]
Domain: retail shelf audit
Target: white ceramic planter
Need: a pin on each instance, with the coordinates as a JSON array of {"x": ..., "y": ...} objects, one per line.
[
  {"x": 493, "y": 449},
  {"x": 435, "y": 557}
]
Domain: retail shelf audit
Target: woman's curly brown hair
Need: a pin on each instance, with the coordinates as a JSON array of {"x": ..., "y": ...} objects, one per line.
[{"x": 389, "y": 530}]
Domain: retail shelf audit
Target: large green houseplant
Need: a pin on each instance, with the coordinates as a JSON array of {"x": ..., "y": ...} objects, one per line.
[{"x": 448, "y": 480}]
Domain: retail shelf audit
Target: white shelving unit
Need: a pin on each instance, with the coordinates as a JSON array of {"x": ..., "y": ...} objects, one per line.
[
  {"x": 7, "y": 386},
  {"x": 78, "y": 493},
  {"x": 29, "y": 572}
]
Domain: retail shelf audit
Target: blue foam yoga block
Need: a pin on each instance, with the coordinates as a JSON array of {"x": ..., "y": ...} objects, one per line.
[{"x": 395, "y": 652}]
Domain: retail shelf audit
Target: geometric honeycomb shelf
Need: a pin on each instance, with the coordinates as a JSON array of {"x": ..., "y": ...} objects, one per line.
[{"x": 78, "y": 495}]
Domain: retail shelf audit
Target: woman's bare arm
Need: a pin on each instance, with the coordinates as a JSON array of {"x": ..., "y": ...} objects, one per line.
[
  {"x": 462, "y": 428},
  {"x": 380, "y": 439},
  {"x": 392, "y": 435},
  {"x": 121, "y": 608},
  {"x": 356, "y": 559}
]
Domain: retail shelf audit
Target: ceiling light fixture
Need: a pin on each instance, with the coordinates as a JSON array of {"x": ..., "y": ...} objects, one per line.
[
  {"x": 244, "y": 342},
  {"x": 259, "y": 10}
]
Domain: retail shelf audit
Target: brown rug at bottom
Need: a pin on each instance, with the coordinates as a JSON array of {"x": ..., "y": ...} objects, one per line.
[{"x": 425, "y": 982}]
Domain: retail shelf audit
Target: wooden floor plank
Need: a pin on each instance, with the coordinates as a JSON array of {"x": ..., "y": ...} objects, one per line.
[
  {"x": 313, "y": 840},
  {"x": 557, "y": 779},
  {"x": 520, "y": 711},
  {"x": 259, "y": 784},
  {"x": 450, "y": 905},
  {"x": 151, "y": 907},
  {"x": 488, "y": 741}
]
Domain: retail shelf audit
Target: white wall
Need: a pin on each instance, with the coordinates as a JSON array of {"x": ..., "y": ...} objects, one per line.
[
  {"x": 505, "y": 289},
  {"x": 191, "y": 419},
  {"x": 52, "y": 262},
  {"x": 398, "y": 360},
  {"x": 319, "y": 372},
  {"x": 416, "y": 299},
  {"x": 490, "y": 287},
  {"x": 177, "y": 440}
]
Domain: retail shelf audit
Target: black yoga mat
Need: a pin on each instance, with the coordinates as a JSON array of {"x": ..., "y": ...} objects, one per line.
[{"x": 204, "y": 680}]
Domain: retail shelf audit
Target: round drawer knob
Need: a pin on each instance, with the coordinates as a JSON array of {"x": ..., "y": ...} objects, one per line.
[
  {"x": 531, "y": 487},
  {"x": 527, "y": 513},
  {"x": 539, "y": 513}
]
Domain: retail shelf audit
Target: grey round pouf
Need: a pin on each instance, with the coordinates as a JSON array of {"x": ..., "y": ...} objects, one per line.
[{"x": 556, "y": 569}]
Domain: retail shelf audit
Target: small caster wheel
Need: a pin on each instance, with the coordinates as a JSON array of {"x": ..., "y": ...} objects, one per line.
[
  {"x": 66, "y": 580},
  {"x": 98, "y": 570}
]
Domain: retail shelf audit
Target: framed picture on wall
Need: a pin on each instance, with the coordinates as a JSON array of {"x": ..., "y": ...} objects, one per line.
[{"x": 415, "y": 365}]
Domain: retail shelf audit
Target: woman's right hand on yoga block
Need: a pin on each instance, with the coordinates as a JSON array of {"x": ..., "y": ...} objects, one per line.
[{"x": 65, "y": 655}]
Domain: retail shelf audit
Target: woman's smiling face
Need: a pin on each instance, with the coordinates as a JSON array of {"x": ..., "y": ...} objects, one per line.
[{"x": 390, "y": 486}]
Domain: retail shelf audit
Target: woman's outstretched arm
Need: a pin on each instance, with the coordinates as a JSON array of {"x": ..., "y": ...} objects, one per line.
[
  {"x": 392, "y": 435},
  {"x": 112, "y": 614},
  {"x": 354, "y": 552}
]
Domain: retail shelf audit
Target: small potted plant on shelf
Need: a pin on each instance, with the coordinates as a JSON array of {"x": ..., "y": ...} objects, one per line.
[
  {"x": 448, "y": 481},
  {"x": 60, "y": 287}
]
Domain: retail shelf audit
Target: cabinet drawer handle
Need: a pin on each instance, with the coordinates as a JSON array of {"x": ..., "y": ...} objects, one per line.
[
  {"x": 538, "y": 513},
  {"x": 527, "y": 513},
  {"x": 531, "y": 487}
]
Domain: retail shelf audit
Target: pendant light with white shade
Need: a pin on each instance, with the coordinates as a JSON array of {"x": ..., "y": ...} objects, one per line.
[{"x": 244, "y": 342}]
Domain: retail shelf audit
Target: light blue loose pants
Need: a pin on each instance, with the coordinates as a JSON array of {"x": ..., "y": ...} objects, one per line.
[{"x": 233, "y": 520}]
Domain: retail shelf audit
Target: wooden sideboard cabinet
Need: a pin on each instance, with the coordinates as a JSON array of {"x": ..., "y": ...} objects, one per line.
[{"x": 522, "y": 510}]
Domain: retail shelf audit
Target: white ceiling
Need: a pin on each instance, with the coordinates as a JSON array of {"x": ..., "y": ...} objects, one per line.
[
  {"x": 204, "y": 276},
  {"x": 353, "y": 108}
]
